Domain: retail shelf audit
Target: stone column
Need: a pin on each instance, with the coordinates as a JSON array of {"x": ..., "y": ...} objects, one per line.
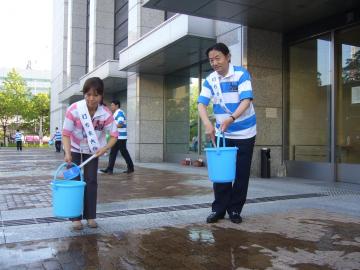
[
  {"x": 101, "y": 35},
  {"x": 59, "y": 62},
  {"x": 145, "y": 94},
  {"x": 76, "y": 54},
  {"x": 263, "y": 58}
]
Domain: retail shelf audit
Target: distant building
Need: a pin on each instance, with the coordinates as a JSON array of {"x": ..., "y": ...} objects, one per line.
[{"x": 37, "y": 81}]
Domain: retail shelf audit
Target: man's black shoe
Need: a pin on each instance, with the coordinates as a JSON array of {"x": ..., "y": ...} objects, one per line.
[
  {"x": 106, "y": 171},
  {"x": 214, "y": 217},
  {"x": 128, "y": 171},
  {"x": 235, "y": 217}
]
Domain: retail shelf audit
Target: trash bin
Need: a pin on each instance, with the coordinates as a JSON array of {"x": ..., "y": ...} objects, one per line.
[{"x": 265, "y": 162}]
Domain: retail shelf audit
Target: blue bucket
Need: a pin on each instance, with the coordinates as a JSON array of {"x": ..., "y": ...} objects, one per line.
[
  {"x": 68, "y": 196},
  {"x": 221, "y": 162}
]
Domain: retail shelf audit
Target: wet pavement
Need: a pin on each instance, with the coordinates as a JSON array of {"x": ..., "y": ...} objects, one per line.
[
  {"x": 25, "y": 178},
  {"x": 307, "y": 239},
  {"x": 154, "y": 219}
]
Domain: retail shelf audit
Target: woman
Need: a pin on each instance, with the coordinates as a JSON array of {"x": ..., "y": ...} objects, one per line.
[
  {"x": 230, "y": 89},
  {"x": 84, "y": 133}
]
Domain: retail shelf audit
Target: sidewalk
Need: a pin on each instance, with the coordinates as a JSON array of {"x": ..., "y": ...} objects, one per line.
[{"x": 154, "y": 219}]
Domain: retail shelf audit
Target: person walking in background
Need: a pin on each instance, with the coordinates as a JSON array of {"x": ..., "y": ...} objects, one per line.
[
  {"x": 120, "y": 119},
  {"x": 230, "y": 89},
  {"x": 57, "y": 138},
  {"x": 18, "y": 139},
  {"x": 85, "y": 126}
]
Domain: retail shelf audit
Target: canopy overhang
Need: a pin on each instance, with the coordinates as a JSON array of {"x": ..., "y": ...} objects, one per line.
[
  {"x": 178, "y": 42},
  {"x": 114, "y": 81},
  {"x": 275, "y": 15}
]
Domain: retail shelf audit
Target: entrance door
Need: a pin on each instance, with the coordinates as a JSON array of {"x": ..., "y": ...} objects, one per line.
[
  {"x": 309, "y": 100},
  {"x": 348, "y": 105}
]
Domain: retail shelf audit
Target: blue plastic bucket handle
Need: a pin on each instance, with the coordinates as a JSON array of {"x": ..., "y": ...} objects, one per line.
[
  {"x": 62, "y": 166},
  {"x": 221, "y": 134},
  {"x": 218, "y": 140}
]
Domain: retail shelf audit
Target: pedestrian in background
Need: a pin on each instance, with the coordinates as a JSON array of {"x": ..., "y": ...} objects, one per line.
[
  {"x": 57, "y": 138},
  {"x": 18, "y": 139},
  {"x": 120, "y": 119},
  {"x": 229, "y": 88},
  {"x": 84, "y": 133}
]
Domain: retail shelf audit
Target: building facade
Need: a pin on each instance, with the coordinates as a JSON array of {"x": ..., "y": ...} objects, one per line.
[{"x": 303, "y": 57}]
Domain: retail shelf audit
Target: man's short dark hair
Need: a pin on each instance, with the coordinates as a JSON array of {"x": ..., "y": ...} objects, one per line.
[
  {"x": 116, "y": 102},
  {"x": 221, "y": 47}
]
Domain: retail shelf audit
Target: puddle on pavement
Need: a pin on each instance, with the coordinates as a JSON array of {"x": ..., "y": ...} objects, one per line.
[
  {"x": 148, "y": 183},
  {"x": 195, "y": 247},
  {"x": 21, "y": 182}
]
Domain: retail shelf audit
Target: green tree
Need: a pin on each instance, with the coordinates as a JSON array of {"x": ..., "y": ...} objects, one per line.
[
  {"x": 13, "y": 99},
  {"x": 38, "y": 112},
  {"x": 351, "y": 72},
  {"x": 193, "y": 117}
]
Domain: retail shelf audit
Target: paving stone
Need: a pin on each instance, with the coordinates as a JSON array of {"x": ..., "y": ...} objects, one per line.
[{"x": 288, "y": 234}]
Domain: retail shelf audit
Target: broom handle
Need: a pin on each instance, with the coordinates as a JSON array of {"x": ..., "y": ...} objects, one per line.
[{"x": 87, "y": 161}]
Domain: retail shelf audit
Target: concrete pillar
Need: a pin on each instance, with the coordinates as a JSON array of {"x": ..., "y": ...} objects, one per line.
[
  {"x": 101, "y": 35},
  {"x": 263, "y": 58},
  {"x": 59, "y": 62},
  {"x": 145, "y": 117},
  {"x": 142, "y": 20},
  {"x": 145, "y": 94},
  {"x": 76, "y": 54}
]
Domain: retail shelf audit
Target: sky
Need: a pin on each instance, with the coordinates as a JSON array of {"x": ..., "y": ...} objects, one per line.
[{"x": 26, "y": 33}]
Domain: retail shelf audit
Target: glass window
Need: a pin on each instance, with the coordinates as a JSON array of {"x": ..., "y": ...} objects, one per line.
[
  {"x": 181, "y": 115},
  {"x": 177, "y": 113},
  {"x": 348, "y": 98},
  {"x": 205, "y": 142},
  {"x": 193, "y": 115},
  {"x": 309, "y": 100},
  {"x": 120, "y": 26}
]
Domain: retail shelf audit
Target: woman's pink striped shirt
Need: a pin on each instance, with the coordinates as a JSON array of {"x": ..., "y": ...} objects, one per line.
[{"x": 102, "y": 120}]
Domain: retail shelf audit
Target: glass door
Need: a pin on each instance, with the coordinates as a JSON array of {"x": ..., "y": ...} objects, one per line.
[
  {"x": 348, "y": 105},
  {"x": 308, "y": 147}
]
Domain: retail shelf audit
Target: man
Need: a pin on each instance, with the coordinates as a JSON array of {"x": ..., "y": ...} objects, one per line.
[
  {"x": 229, "y": 88},
  {"x": 120, "y": 119},
  {"x": 18, "y": 139},
  {"x": 57, "y": 138}
]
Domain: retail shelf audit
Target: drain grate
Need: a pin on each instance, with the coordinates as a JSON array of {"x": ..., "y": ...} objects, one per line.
[
  {"x": 143, "y": 211},
  {"x": 49, "y": 220},
  {"x": 286, "y": 197},
  {"x": 18, "y": 222}
]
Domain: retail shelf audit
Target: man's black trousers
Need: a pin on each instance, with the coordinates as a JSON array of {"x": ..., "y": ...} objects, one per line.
[
  {"x": 120, "y": 145},
  {"x": 231, "y": 197},
  {"x": 58, "y": 146},
  {"x": 19, "y": 145}
]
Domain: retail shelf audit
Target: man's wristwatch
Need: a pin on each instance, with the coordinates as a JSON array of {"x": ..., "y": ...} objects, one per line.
[{"x": 233, "y": 118}]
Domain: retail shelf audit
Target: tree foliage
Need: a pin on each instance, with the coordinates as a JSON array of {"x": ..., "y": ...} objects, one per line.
[
  {"x": 13, "y": 99},
  {"x": 351, "y": 72},
  {"x": 38, "y": 111},
  {"x": 19, "y": 108}
]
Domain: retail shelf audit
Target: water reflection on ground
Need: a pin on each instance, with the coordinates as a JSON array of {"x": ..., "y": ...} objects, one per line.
[{"x": 307, "y": 239}]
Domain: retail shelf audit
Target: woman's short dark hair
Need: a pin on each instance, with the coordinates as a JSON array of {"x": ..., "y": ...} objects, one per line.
[
  {"x": 221, "y": 47},
  {"x": 94, "y": 83},
  {"x": 116, "y": 102}
]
